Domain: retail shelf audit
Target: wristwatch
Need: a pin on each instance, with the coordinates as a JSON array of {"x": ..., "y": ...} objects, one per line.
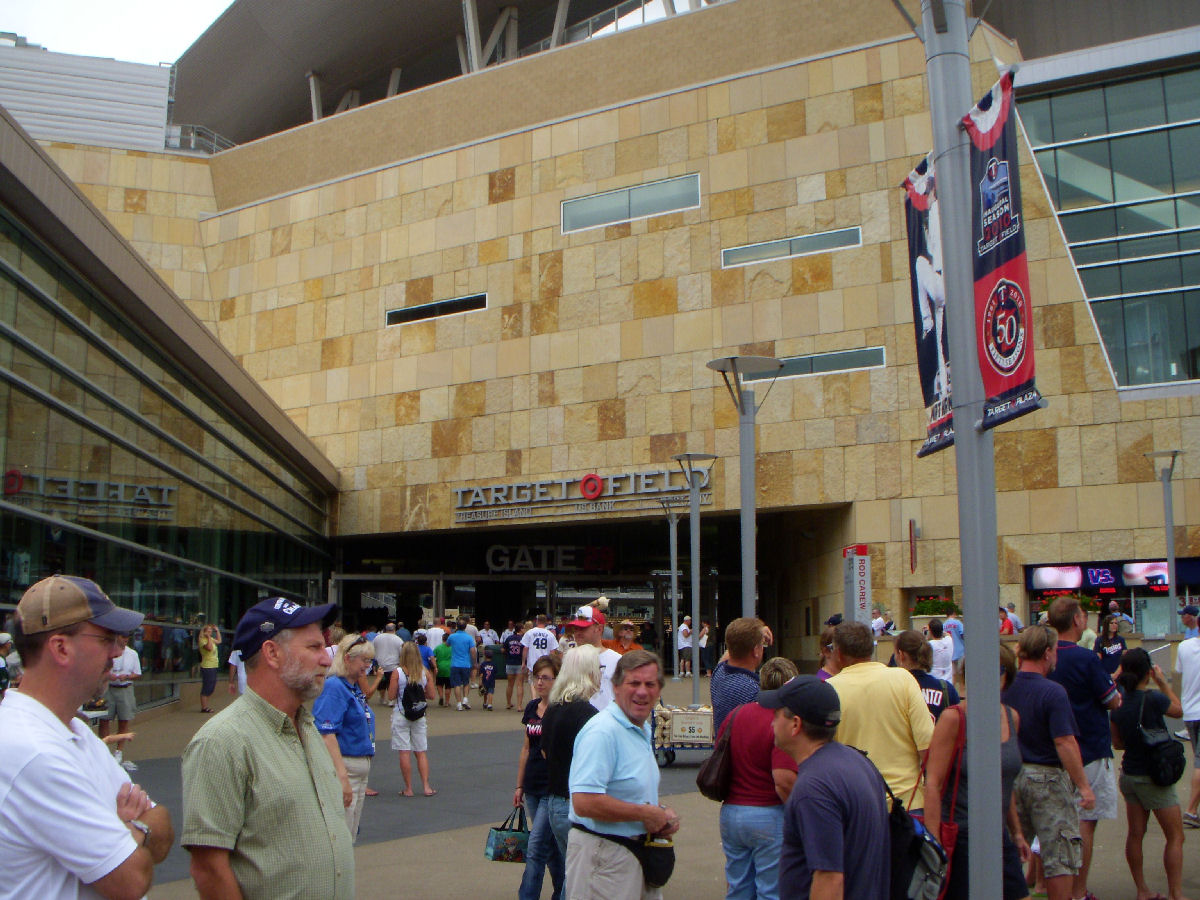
[{"x": 140, "y": 826}]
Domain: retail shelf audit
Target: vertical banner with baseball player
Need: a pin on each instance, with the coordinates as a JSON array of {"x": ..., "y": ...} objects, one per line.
[
  {"x": 929, "y": 304},
  {"x": 1003, "y": 315}
]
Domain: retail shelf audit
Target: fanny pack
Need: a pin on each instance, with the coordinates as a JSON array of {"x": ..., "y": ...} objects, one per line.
[{"x": 657, "y": 856}]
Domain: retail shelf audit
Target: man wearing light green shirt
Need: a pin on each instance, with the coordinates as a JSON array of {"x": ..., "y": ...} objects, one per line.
[{"x": 263, "y": 805}]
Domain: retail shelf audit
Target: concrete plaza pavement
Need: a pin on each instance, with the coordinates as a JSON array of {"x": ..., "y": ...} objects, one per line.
[{"x": 434, "y": 846}]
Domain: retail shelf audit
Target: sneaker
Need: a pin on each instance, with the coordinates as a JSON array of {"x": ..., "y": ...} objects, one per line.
[
  {"x": 465, "y": 705},
  {"x": 441, "y": 702},
  {"x": 1191, "y": 820},
  {"x": 1183, "y": 735},
  {"x": 488, "y": 707},
  {"x": 460, "y": 707},
  {"x": 129, "y": 766}
]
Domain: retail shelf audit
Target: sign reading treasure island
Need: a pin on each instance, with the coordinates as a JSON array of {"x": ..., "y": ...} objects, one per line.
[{"x": 590, "y": 493}]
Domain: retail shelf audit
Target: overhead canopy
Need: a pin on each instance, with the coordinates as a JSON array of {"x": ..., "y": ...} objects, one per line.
[{"x": 246, "y": 76}]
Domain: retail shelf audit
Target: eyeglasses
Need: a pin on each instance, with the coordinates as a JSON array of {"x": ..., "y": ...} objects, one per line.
[
  {"x": 361, "y": 639},
  {"x": 110, "y": 639},
  {"x": 543, "y": 678}
]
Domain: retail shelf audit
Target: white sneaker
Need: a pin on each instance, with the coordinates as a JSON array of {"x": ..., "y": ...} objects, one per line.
[
  {"x": 129, "y": 766},
  {"x": 460, "y": 707},
  {"x": 465, "y": 705}
]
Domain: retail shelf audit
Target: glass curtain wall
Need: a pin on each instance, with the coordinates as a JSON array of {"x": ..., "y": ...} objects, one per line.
[
  {"x": 119, "y": 467},
  {"x": 1121, "y": 165}
]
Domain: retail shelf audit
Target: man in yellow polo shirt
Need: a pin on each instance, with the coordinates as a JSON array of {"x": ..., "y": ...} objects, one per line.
[
  {"x": 883, "y": 712},
  {"x": 263, "y": 810}
]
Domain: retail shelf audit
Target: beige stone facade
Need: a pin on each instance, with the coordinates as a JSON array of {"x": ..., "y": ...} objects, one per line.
[{"x": 590, "y": 355}]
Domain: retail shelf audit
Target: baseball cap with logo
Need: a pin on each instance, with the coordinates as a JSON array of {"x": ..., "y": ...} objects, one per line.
[
  {"x": 808, "y": 697},
  {"x": 585, "y": 616},
  {"x": 266, "y": 619},
  {"x": 64, "y": 600}
]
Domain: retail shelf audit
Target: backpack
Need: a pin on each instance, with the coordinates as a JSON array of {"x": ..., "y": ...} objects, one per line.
[
  {"x": 412, "y": 700},
  {"x": 918, "y": 861},
  {"x": 1165, "y": 760}
]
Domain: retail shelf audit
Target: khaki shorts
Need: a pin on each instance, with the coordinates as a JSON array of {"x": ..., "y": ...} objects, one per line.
[
  {"x": 1048, "y": 807},
  {"x": 121, "y": 703},
  {"x": 1145, "y": 793},
  {"x": 409, "y": 735}
]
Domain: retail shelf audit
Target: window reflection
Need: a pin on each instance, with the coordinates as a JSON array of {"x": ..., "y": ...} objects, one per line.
[
  {"x": 1128, "y": 211},
  {"x": 119, "y": 468}
]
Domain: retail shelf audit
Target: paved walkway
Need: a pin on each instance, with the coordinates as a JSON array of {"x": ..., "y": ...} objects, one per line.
[{"x": 434, "y": 846}]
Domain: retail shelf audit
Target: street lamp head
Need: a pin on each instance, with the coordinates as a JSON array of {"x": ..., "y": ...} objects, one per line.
[
  {"x": 1168, "y": 457},
  {"x": 736, "y": 369},
  {"x": 692, "y": 463}
]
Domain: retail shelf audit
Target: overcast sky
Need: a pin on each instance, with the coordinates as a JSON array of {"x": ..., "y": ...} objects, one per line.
[{"x": 145, "y": 31}]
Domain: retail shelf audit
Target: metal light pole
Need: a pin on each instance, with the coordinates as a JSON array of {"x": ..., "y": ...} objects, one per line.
[
  {"x": 690, "y": 463},
  {"x": 1164, "y": 475},
  {"x": 733, "y": 370},
  {"x": 673, "y": 528},
  {"x": 944, "y": 32}
]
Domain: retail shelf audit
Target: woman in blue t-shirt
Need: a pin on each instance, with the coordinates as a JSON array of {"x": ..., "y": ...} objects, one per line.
[
  {"x": 345, "y": 721},
  {"x": 1110, "y": 646},
  {"x": 1142, "y": 795}
]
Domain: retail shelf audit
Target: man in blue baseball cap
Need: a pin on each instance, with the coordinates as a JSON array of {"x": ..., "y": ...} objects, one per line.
[
  {"x": 837, "y": 806},
  {"x": 263, "y": 804}
]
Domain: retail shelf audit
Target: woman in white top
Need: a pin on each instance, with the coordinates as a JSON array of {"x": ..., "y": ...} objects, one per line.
[{"x": 410, "y": 735}]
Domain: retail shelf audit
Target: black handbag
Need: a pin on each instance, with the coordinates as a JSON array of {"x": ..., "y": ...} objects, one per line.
[
  {"x": 1165, "y": 759},
  {"x": 716, "y": 772}
]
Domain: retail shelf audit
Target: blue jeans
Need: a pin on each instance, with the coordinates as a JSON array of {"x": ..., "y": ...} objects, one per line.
[
  {"x": 752, "y": 838},
  {"x": 560, "y": 822},
  {"x": 542, "y": 852}
]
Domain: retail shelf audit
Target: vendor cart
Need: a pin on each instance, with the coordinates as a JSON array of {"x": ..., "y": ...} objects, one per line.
[{"x": 680, "y": 728}]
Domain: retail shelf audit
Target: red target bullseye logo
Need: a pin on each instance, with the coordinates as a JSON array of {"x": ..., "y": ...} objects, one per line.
[{"x": 591, "y": 486}]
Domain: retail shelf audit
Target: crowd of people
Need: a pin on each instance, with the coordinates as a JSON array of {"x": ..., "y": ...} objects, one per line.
[{"x": 813, "y": 756}]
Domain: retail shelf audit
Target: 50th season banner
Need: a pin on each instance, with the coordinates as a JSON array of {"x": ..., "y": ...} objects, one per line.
[
  {"x": 1003, "y": 316},
  {"x": 1003, "y": 322}
]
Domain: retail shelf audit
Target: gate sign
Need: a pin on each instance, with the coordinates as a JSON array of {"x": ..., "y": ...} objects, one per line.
[{"x": 856, "y": 572}]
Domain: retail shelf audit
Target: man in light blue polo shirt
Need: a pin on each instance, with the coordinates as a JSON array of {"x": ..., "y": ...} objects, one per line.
[{"x": 614, "y": 788}]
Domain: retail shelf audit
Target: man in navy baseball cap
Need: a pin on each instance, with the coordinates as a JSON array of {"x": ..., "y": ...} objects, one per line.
[
  {"x": 262, "y": 800},
  {"x": 808, "y": 698},
  {"x": 265, "y": 620}
]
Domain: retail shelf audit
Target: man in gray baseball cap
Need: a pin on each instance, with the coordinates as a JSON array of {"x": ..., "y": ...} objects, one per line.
[{"x": 74, "y": 817}]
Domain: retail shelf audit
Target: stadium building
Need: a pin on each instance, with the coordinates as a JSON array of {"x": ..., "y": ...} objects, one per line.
[{"x": 413, "y": 308}]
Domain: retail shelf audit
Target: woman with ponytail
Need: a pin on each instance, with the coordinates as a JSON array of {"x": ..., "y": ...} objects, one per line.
[{"x": 1146, "y": 707}]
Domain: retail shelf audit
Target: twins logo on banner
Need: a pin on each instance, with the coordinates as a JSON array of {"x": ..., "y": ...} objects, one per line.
[
  {"x": 1003, "y": 316},
  {"x": 929, "y": 304}
]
